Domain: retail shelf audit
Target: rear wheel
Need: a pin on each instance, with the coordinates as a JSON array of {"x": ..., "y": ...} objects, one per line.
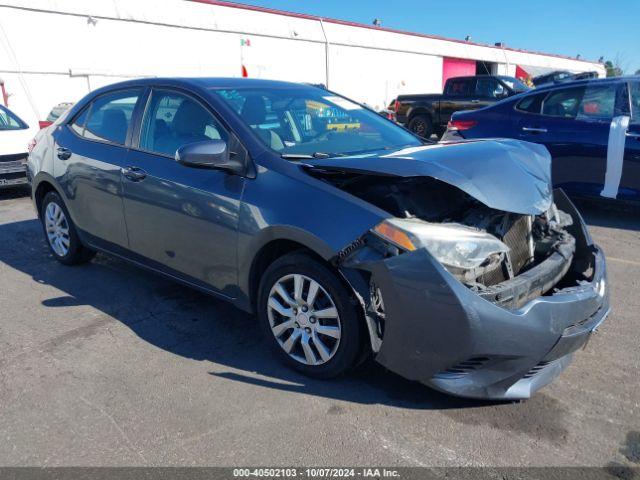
[
  {"x": 60, "y": 232},
  {"x": 308, "y": 316},
  {"x": 421, "y": 125}
]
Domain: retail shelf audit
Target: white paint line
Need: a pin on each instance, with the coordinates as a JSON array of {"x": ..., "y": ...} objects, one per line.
[{"x": 622, "y": 260}]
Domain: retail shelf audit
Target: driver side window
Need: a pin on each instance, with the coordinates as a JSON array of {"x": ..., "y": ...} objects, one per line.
[
  {"x": 489, "y": 88},
  {"x": 173, "y": 120}
]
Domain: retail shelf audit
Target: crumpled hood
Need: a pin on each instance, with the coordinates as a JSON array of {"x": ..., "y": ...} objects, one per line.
[{"x": 504, "y": 174}]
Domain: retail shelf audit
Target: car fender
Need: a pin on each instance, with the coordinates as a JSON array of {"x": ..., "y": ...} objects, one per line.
[{"x": 303, "y": 210}]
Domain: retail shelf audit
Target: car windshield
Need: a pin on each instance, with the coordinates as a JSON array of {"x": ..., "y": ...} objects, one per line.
[
  {"x": 514, "y": 84},
  {"x": 309, "y": 121},
  {"x": 10, "y": 121}
]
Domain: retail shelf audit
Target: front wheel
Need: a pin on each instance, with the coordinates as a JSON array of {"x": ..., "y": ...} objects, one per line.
[
  {"x": 421, "y": 125},
  {"x": 309, "y": 317},
  {"x": 60, "y": 232}
]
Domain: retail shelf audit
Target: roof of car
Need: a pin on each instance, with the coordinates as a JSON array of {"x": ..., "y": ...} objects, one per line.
[
  {"x": 210, "y": 82},
  {"x": 587, "y": 81}
]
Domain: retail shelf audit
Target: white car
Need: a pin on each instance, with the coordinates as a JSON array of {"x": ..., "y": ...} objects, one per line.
[{"x": 15, "y": 136}]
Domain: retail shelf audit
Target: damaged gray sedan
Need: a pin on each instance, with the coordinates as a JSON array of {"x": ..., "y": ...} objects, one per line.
[{"x": 456, "y": 266}]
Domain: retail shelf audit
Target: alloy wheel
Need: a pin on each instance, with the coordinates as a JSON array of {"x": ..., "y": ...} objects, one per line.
[
  {"x": 420, "y": 128},
  {"x": 57, "y": 229},
  {"x": 304, "y": 319}
]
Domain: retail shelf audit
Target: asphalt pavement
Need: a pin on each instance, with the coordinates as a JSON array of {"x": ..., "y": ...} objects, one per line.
[{"x": 106, "y": 364}]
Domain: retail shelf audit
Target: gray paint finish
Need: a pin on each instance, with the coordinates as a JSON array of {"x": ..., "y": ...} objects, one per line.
[
  {"x": 206, "y": 227},
  {"x": 507, "y": 175}
]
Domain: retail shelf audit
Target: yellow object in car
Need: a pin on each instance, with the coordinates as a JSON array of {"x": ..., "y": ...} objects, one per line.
[{"x": 342, "y": 126}]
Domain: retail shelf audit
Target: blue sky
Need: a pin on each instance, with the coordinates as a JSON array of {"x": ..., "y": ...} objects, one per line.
[{"x": 591, "y": 28}]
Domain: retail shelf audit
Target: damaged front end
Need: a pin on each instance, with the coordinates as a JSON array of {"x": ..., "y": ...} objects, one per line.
[{"x": 471, "y": 299}]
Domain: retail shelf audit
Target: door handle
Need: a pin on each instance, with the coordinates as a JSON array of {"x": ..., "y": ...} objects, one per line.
[
  {"x": 63, "y": 153},
  {"x": 534, "y": 130},
  {"x": 475, "y": 101},
  {"x": 632, "y": 134},
  {"x": 134, "y": 174}
]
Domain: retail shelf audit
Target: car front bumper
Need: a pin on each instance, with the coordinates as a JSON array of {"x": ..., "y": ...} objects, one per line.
[
  {"x": 13, "y": 170},
  {"x": 439, "y": 332}
]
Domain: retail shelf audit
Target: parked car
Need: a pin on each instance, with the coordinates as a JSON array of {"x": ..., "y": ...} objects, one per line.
[
  {"x": 590, "y": 127},
  {"x": 430, "y": 113},
  {"x": 557, "y": 76},
  {"x": 562, "y": 76},
  {"x": 55, "y": 113},
  {"x": 14, "y": 142},
  {"x": 452, "y": 265}
]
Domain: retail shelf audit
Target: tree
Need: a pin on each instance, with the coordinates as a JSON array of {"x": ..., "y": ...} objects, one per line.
[
  {"x": 612, "y": 70},
  {"x": 637, "y": 72}
]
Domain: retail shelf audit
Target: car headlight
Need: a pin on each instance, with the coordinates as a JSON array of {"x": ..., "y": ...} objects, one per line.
[{"x": 453, "y": 245}]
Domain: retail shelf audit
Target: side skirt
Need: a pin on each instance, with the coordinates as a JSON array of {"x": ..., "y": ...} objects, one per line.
[{"x": 150, "y": 265}]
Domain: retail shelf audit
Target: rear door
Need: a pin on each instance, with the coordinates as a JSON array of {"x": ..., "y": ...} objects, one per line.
[
  {"x": 630, "y": 181},
  {"x": 182, "y": 220},
  {"x": 91, "y": 150},
  {"x": 574, "y": 124}
]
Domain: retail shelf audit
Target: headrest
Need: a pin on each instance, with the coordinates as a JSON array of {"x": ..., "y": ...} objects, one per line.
[{"x": 254, "y": 110}]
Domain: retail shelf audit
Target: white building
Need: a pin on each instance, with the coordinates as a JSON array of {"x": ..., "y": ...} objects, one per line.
[{"x": 54, "y": 51}]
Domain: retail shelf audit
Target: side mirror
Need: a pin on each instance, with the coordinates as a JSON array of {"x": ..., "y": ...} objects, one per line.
[{"x": 210, "y": 154}]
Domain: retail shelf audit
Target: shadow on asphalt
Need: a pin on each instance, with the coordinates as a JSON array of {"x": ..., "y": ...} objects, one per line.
[
  {"x": 190, "y": 324},
  {"x": 609, "y": 214},
  {"x": 8, "y": 193}
]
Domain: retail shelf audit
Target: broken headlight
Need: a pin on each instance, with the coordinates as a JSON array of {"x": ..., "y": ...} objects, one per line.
[{"x": 453, "y": 245}]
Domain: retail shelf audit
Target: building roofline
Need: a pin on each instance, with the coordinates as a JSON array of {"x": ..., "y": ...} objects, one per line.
[{"x": 273, "y": 11}]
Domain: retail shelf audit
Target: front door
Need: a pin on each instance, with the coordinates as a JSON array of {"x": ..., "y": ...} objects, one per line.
[{"x": 180, "y": 218}]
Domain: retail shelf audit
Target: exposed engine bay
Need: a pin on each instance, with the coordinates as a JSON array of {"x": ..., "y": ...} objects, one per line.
[{"x": 539, "y": 249}]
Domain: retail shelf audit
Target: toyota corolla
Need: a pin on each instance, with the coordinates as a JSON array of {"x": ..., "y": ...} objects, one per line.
[{"x": 453, "y": 265}]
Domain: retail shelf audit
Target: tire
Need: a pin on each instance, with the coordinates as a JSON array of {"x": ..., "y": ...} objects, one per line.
[
  {"x": 60, "y": 232},
  {"x": 421, "y": 125},
  {"x": 333, "y": 356}
]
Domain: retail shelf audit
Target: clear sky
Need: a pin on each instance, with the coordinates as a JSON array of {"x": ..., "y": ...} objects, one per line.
[{"x": 591, "y": 28}]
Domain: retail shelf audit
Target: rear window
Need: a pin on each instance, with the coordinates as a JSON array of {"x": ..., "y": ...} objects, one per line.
[
  {"x": 462, "y": 87},
  {"x": 108, "y": 117}
]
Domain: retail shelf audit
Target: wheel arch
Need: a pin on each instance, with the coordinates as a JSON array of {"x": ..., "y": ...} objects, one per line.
[
  {"x": 43, "y": 184},
  {"x": 272, "y": 243},
  {"x": 277, "y": 248},
  {"x": 421, "y": 111}
]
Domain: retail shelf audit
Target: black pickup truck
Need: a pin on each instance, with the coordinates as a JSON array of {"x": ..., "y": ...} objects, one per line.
[{"x": 425, "y": 114}]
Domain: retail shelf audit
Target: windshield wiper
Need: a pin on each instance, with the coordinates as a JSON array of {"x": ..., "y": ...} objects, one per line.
[{"x": 300, "y": 156}]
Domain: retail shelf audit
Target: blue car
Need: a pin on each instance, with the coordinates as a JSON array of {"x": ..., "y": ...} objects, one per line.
[{"x": 591, "y": 128}]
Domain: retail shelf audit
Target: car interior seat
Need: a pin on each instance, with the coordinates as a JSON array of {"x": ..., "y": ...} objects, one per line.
[
  {"x": 188, "y": 126},
  {"x": 254, "y": 112},
  {"x": 161, "y": 129},
  {"x": 114, "y": 125}
]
